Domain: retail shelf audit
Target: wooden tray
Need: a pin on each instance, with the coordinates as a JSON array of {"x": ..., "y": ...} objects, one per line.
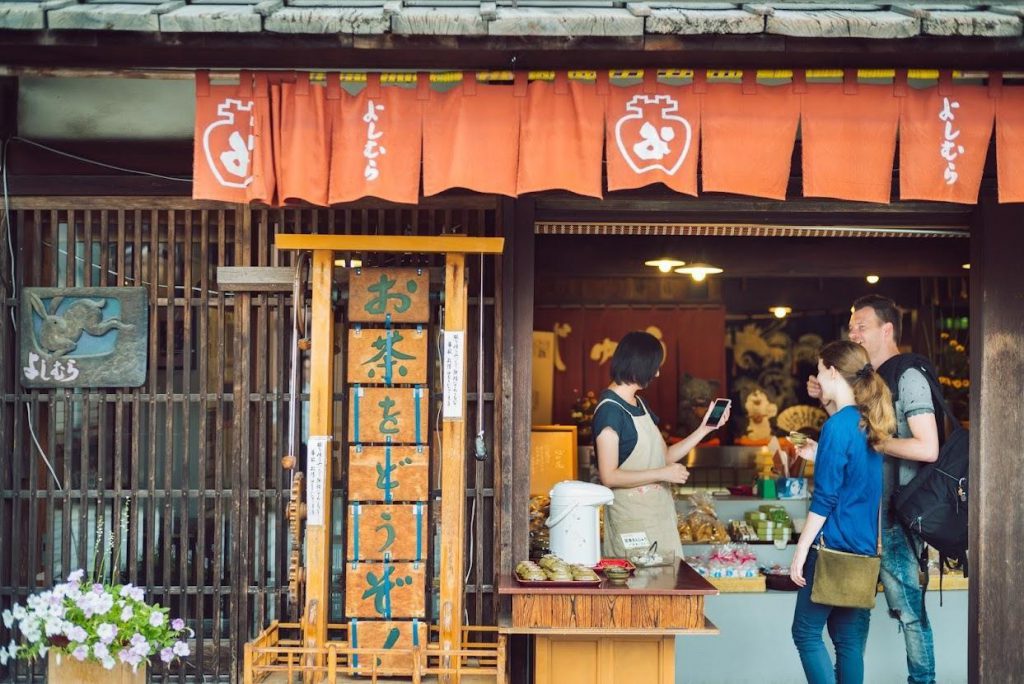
[{"x": 559, "y": 583}]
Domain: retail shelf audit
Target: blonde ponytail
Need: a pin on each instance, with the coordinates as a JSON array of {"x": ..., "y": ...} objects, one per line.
[{"x": 870, "y": 393}]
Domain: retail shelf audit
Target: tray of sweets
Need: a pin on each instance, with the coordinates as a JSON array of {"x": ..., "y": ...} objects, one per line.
[{"x": 558, "y": 583}]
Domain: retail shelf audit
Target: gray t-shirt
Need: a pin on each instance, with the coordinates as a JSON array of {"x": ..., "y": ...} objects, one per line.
[{"x": 915, "y": 398}]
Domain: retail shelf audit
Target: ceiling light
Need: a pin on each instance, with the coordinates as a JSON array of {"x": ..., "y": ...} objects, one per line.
[
  {"x": 699, "y": 271},
  {"x": 872, "y": 279},
  {"x": 966, "y": 267},
  {"x": 781, "y": 311},
  {"x": 664, "y": 264}
]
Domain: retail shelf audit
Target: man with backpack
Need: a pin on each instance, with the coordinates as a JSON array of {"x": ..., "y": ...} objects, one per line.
[{"x": 876, "y": 325}]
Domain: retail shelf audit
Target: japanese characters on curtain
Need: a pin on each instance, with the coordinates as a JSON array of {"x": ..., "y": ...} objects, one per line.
[
  {"x": 944, "y": 137},
  {"x": 279, "y": 138},
  {"x": 386, "y": 522}
]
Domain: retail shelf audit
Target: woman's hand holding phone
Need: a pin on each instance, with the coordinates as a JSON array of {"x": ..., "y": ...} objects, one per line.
[{"x": 717, "y": 414}]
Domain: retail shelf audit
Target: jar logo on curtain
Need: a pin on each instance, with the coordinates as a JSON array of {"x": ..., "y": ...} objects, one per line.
[
  {"x": 228, "y": 143},
  {"x": 949, "y": 149},
  {"x": 652, "y": 136}
]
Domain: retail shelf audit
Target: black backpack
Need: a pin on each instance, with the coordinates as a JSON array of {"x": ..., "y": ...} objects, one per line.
[{"x": 933, "y": 505}]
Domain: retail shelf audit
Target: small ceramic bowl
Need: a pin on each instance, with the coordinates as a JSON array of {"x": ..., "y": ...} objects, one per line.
[{"x": 616, "y": 575}]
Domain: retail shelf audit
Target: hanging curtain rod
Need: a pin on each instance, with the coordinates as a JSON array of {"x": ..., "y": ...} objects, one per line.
[{"x": 534, "y": 75}]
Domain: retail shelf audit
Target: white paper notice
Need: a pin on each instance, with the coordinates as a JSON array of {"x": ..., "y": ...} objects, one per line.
[
  {"x": 454, "y": 377},
  {"x": 317, "y": 453}
]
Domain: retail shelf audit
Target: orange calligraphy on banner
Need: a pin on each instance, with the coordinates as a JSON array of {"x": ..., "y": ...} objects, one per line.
[
  {"x": 652, "y": 137},
  {"x": 1010, "y": 145},
  {"x": 747, "y": 138},
  {"x": 376, "y": 146},
  {"x": 232, "y": 153},
  {"x": 471, "y": 139},
  {"x": 849, "y": 141},
  {"x": 944, "y": 139},
  {"x": 561, "y": 137}
]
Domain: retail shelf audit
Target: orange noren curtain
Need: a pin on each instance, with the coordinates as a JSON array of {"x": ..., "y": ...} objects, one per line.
[
  {"x": 849, "y": 141},
  {"x": 561, "y": 138},
  {"x": 471, "y": 140},
  {"x": 1010, "y": 145},
  {"x": 303, "y": 128},
  {"x": 377, "y": 145},
  {"x": 943, "y": 143},
  {"x": 652, "y": 133},
  {"x": 747, "y": 138},
  {"x": 232, "y": 156}
]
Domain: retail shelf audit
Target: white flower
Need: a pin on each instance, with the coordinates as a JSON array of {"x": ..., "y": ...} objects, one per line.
[
  {"x": 181, "y": 649},
  {"x": 53, "y": 626},
  {"x": 76, "y": 633},
  {"x": 19, "y": 612},
  {"x": 177, "y": 624},
  {"x": 100, "y": 651},
  {"x": 167, "y": 655},
  {"x": 80, "y": 653},
  {"x": 8, "y": 618},
  {"x": 8, "y": 653},
  {"x": 156, "y": 618},
  {"x": 127, "y": 613},
  {"x": 106, "y": 632},
  {"x": 76, "y": 576},
  {"x": 108, "y": 663}
]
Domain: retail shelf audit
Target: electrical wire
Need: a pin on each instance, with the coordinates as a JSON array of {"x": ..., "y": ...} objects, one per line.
[
  {"x": 42, "y": 453},
  {"x": 98, "y": 163},
  {"x": 7, "y": 230}
]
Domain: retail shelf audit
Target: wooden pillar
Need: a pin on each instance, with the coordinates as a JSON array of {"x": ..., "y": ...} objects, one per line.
[
  {"x": 453, "y": 459},
  {"x": 995, "y": 602},
  {"x": 321, "y": 422}
]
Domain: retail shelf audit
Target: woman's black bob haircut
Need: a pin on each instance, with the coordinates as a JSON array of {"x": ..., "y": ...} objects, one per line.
[{"x": 637, "y": 359}]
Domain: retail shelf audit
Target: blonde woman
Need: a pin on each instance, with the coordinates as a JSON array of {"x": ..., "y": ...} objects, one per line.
[{"x": 844, "y": 509}]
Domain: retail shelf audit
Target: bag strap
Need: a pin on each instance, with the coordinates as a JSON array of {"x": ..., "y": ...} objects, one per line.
[{"x": 937, "y": 397}]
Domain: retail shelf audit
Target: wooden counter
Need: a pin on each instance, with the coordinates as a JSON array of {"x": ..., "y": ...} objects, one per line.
[{"x": 610, "y": 634}]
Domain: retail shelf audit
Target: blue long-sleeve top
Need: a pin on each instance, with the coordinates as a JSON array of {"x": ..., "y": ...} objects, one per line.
[{"x": 847, "y": 484}]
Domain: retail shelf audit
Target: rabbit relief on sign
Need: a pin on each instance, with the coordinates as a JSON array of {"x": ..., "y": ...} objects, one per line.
[{"x": 59, "y": 335}]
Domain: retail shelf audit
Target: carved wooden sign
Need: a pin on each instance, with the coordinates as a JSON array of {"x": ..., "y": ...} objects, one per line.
[
  {"x": 386, "y": 635},
  {"x": 387, "y": 473},
  {"x": 378, "y": 415},
  {"x": 387, "y": 532},
  {"x": 83, "y": 337},
  {"x": 379, "y": 356},
  {"x": 385, "y": 590},
  {"x": 400, "y": 295}
]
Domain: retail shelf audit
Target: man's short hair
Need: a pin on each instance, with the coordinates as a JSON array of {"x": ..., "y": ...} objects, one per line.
[
  {"x": 885, "y": 309},
  {"x": 637, "y": 359}
]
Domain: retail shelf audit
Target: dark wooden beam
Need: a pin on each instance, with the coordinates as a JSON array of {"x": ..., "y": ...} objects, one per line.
[
  {"x": 105, "y": 49},
  {"x": 996, "y": 512}
]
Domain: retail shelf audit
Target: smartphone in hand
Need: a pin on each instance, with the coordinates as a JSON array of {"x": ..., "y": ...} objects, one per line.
[{"x": 714, "y": 416}]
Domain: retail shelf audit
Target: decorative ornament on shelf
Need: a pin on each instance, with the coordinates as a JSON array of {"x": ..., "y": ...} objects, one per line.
[{"x": 582, "y": 415}]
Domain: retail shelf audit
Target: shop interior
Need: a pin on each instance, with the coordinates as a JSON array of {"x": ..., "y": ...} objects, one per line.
[{"x": 746, "y": 324}]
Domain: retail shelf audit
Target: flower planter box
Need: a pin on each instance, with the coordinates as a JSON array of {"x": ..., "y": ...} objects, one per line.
[{"x": 63, "y": 669}]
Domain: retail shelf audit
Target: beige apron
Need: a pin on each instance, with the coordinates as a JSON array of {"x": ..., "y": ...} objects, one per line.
[{"x": 647, "y": 510}]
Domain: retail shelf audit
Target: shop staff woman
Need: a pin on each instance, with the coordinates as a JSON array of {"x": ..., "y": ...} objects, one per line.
[
  {"x": 632, "y": 457},
  {"x": 844, "y": 510}
]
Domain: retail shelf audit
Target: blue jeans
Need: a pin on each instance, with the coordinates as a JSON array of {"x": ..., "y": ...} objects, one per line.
[
  {"x": 904, "y": 596},
  {"x": 848, "y": 628}
]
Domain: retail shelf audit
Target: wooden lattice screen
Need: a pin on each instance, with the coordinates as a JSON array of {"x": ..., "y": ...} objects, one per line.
[{"x": 195, "y": 452}]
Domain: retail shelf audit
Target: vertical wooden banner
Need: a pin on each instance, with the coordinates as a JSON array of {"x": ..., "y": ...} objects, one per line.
[
  {"x": 321, "y": 421},
  {"x": 453, "y": 453}
]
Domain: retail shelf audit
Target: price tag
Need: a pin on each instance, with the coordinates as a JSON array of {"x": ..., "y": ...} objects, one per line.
[
  {"x": 635, "y": 540},
  {"x": 454, "y": 377},
  {"x": 317, "y": 453}
]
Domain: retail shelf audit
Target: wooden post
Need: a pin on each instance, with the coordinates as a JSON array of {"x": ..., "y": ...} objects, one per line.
[
  {"x": 453, "y": 460},
  {"x": 321, "y": 421},
  {"x": 996, "y": 513}
]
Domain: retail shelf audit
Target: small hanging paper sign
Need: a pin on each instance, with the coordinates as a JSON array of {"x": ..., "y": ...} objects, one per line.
[
  {"x": 316, "y": 474},
  {"x": 454, "y": 376}
]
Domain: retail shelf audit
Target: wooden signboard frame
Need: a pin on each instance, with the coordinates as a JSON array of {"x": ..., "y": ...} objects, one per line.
[
  {"x": 382, "y": 473},
  {"x": 544, "y": 439},
  {"x": 372, "y": 360},
  {"x": 453, "y": 490},
  {"x": 400, "y": 295},
  {"x": 387, "y": 532},
  {"x": 399, "y": 413},
  {"x": 406, "y": 598}
]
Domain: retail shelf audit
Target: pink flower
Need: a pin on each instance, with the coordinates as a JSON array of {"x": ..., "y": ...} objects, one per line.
[
  {"x": 167, "y": 654},
  {"x": 80, "y": 653},
  {"x": 177, "y": 624}
]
